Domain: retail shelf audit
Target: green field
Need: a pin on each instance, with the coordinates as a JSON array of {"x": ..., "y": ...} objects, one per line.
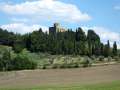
[{"x": 115, "y": 85}]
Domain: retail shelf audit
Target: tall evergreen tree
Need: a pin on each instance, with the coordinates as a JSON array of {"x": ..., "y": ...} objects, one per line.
[
  {"x": 80, "y": 35},
  {"x": 102, "y": 49},
  {"x": 80, "y": 41},
  {"x": 93, "y": 42},
  {"x": 107, "y": 51},
  {"x": 68, "y": 42},
  {"x": 114, "y": 51}
]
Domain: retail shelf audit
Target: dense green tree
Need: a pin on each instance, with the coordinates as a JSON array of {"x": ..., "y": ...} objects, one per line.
[
  {"x": 114, "y": 51},
  {"x": 107, "y": 51},
  {"x": 102, "y": 49},
  {"x": 68, "y": 42},
  {"x": 80, "y": 41},
  {"x": 6, "y": 38},
  {"x": 19, "y": 43},
  {"x": 93, "y": 42},
  {"x": 38, "y": 41},
  {"x": 27, "y": 41},
  {"x": 80, "y": 35}
]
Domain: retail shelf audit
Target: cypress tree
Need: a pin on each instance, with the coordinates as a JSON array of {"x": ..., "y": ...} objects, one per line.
[
  {"x": 114, "y": 50},
  {"x": 107, "y": 51}
]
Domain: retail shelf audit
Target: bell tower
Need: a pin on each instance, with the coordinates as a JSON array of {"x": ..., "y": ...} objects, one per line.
[{"x": 57, "y": 27}]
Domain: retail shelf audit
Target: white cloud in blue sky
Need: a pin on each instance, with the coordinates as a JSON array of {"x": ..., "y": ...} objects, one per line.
[
  {"x": 23, "y": 28},
  {"x": 46, "y": 10},
  {"x": 105, "y": 34},
  {"x": 117, "y": 7}
]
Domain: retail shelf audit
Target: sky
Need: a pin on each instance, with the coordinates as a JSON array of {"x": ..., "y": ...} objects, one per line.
[{"x": 23, "y": 16}]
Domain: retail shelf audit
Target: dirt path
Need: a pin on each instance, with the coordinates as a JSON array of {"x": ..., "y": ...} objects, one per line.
[{"x": 33, "y": 78}]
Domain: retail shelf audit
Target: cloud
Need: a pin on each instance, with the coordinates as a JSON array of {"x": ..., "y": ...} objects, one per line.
[
  {"x": 23, "y": 28},
  {"x": 46, "y": 10},
  {"x": 117, "y": 7},
  {"x": 19, "y": 20},
  {"x": 105, "y": 34}
]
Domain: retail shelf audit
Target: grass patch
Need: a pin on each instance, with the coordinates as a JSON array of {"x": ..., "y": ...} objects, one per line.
[{"x": 115, "y": 85}]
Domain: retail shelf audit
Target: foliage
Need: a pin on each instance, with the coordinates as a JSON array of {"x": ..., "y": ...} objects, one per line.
[
  {"x": 107, "y": 50},
  {"x": 59, "y": 43},
  {"x": 86, "y": 62},
  {"x": 114, "y": 51},
  {"x": 66, "y": 43},
  {"x": 18, "y": 62},
  {"x": 21, "y": 62}
]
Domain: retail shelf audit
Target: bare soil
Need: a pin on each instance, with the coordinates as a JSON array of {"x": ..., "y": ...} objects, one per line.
[{"x": 33, "y": 78}]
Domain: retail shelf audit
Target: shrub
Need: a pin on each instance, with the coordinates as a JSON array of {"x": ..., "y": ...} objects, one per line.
[
  {"x": 44, "y": 67},
  {"x": 55, "y": 66},
  {"x": 70, "y": 65},
  {"x": 22, "y": 62},
  {"x": 86, "y": 62},
  {"x": 1, "y": 64},
  {"x": 76, "y": 65},
  {"x": 93, "y": 57},
  {"x": 117, "y": 58},
  {"x": 73, "y": 65},
  {"x": 19, "y": 62},
  {"x": 101, "y": 58},
  {"x": 5, "y": 61},
  {"x": 109, "y": 58},
  {"x": 63, "y": 66}
]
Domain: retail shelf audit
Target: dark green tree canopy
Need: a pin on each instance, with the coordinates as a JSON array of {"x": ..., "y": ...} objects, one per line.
[
  {"x": 114, "y": 51},
  {"x": 67, "y": 42}
]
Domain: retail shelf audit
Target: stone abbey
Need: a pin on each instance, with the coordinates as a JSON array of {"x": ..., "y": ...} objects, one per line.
[{"x": 56, "y": 28}]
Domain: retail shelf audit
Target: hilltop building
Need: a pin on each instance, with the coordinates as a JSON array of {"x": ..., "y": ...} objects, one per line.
[{"x": 56, "y": 28}]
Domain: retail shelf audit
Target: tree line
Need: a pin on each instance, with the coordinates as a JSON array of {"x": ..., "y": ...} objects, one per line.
[{"x": 67, "y": 43}]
